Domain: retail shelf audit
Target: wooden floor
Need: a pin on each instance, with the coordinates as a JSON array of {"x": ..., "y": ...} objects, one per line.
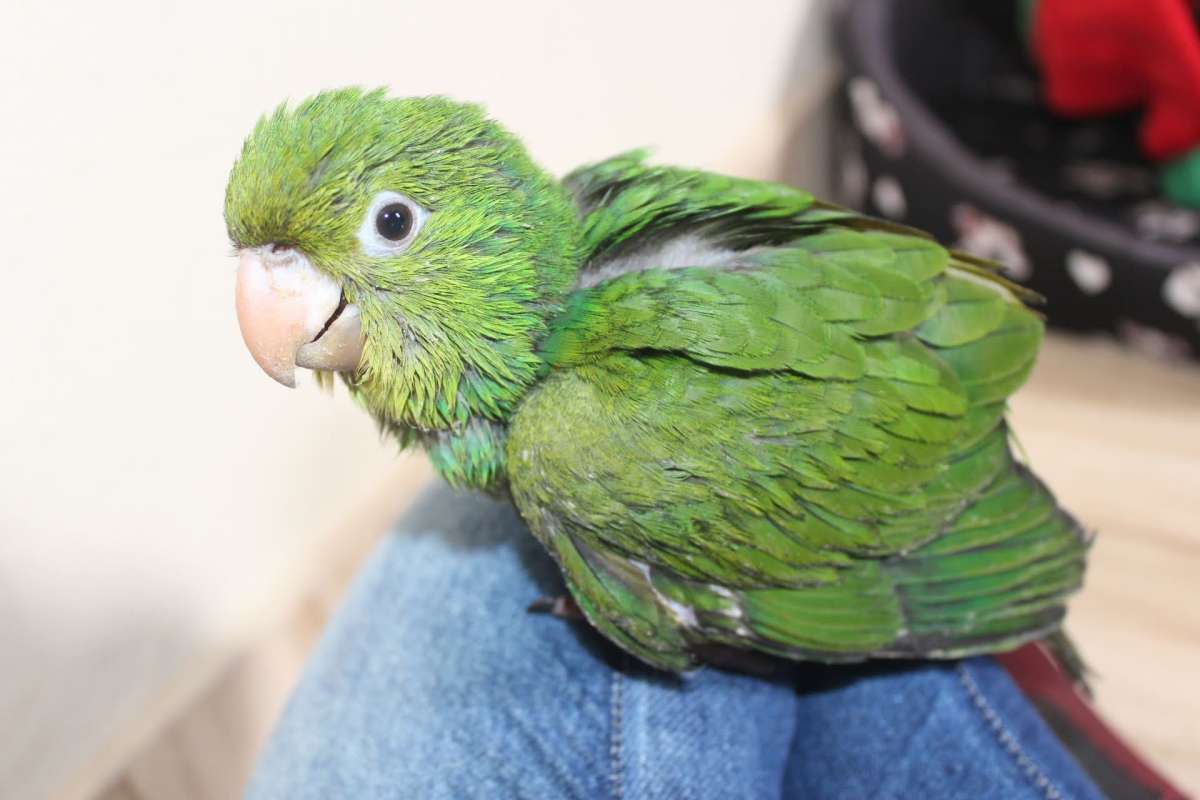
[{"x": 1115, "y": 434}]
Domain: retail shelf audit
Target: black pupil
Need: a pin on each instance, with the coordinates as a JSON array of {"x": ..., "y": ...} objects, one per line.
[{"x": 394, "y": 221}]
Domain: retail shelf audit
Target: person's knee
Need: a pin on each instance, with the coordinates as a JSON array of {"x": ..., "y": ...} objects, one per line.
[{"x": 432, "y": 671}]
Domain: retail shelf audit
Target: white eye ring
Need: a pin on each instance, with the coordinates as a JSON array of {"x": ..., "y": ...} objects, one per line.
[{"x": 372, "y": 238}]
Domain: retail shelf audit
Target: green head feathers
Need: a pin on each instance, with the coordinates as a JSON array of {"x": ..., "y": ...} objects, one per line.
[{"x": 452, "y": 312}]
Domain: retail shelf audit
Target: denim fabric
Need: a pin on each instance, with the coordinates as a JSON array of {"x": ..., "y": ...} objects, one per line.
[{"x": 433, "y": 682}]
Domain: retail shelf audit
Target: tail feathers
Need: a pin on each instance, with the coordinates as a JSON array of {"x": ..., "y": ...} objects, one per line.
[
  {"x": 998, "y": 577},
  {"x": 1068, "y": 657}
]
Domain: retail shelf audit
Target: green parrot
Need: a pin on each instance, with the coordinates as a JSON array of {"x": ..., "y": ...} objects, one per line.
[{"x": 739, "y": 418}]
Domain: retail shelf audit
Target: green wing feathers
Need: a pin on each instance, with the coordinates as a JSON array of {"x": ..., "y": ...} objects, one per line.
[{"x": 798, "y": 447}]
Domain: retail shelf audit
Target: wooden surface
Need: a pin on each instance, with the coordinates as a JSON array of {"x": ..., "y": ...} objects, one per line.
[
  {"x": 1115, "y": 434},
  {"x": 1117, "y": 437}
]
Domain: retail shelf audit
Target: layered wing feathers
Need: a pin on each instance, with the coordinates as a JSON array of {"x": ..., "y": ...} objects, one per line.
[{"x": 799, "y": 448}]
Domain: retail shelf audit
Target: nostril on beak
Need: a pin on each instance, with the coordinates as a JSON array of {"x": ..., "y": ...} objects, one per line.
[{"x": 280, "y": 248}]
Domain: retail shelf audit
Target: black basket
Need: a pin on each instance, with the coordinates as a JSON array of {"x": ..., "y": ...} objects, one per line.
[{"x": 940, "y": 127}]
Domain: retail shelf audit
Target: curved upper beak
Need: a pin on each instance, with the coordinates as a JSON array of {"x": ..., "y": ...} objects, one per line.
[{"x": 291, "y": 315}]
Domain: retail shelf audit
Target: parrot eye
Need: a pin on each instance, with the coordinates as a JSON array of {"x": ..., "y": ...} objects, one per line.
[{"x": 392, "y": 223}]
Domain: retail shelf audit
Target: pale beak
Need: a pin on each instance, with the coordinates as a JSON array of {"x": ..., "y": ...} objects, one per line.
[{"x": 292, "y": 314}]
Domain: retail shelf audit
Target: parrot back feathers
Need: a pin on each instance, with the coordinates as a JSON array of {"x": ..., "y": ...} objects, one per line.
[{"x": 794, "y": 444}]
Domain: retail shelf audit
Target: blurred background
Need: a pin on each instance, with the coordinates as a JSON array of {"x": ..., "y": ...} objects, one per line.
[{"x": 175, "y": 527}]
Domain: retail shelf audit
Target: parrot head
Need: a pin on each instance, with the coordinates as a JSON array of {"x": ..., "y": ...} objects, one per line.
[{"x": 409, "y": 244}]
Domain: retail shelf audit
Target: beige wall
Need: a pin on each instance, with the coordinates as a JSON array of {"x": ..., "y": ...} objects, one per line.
[{"x": 158, "y": 494}]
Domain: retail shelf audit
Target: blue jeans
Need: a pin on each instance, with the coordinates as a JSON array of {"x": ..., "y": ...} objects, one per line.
[{"x": 433, "y": 682}]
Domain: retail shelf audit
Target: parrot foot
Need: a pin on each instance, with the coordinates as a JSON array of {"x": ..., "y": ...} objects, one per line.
[{"x": 563, "y": 607}]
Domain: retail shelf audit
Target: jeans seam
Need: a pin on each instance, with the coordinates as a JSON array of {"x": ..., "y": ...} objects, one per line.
[
  {"x": 1005, "y": 737},
  {"x": 615, "y": 744}
]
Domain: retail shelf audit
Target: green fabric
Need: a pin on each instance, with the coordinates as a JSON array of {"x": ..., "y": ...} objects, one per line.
[{"x": 1181, "y": 179}]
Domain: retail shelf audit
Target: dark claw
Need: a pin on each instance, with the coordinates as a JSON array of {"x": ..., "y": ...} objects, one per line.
[{"x": 563, "y": 607}]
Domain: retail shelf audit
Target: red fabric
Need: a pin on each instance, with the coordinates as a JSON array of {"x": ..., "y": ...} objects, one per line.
[{"x": 1101, "y": 56}]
